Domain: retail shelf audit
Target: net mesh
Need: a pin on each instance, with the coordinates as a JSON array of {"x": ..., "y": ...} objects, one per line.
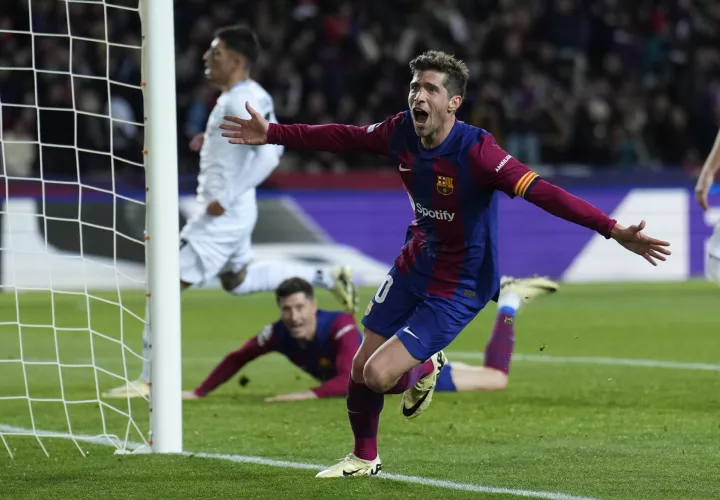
[{"x": 72, "y": 250}]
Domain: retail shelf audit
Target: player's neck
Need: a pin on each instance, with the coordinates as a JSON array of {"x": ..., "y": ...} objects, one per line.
[
  {"x": 234, "y": 80},
  {"x": 433, "y": 141}
]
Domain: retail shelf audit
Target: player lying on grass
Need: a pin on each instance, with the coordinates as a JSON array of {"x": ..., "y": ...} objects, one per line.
[
  {"x": 217, "y": 241},
  {"x": 702, "y": 190},
  {"x": 323, "y": 343},
  {"x": 448, "y": 269}
]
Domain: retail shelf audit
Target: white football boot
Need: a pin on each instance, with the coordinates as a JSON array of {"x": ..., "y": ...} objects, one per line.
[
  {"x": 528, "y": 288},
  {"x": 344, "y": 288},
  {"x": 416, "y": 399},
  {"x": 352, "y": 466}
]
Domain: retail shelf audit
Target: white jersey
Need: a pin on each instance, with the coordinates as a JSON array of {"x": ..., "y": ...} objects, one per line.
[{"x": 229, "y": 173}]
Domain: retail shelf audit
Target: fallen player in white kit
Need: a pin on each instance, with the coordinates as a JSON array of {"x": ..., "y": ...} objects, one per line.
[
  {"x": 217, "y": 242},
  {"x": 702, "y": 190}
]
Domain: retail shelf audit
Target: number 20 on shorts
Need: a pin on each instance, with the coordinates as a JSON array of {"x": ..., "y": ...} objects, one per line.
[{"x": 383, "y": 290}]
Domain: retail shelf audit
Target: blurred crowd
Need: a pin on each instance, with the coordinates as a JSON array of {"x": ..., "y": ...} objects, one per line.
[{"x": 600, "y": 82}]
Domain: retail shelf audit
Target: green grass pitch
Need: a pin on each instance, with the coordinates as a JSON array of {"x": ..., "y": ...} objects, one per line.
[{"x": 568, "y": 426}]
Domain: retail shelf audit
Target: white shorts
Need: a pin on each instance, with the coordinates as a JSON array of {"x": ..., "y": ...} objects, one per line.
[{"x": 210, "y": 246}]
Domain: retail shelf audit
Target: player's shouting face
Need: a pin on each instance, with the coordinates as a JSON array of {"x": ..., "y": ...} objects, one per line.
[
  {"x": 436, "y": 92},
  {"x": 430, "y": 102}
]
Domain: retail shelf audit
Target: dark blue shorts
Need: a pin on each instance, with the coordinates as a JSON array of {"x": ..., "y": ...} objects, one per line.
[{"x": 425, "y": 324}]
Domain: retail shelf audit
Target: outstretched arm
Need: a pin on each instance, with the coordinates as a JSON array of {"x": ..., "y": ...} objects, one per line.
[
  {"x": 234, "y": 361},
  {"x": 334, "y": 138},
  {"x": 562, "y": 204},
  {"x": 707, "y": 174},
  {"x": 495, "y": 169}
]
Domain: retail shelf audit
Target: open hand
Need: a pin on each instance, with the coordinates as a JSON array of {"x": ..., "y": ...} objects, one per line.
[
  {"x": 634, "y": 240},
  {"x": 295, "y": 396},
  {"x": 252, "y": 132},
  {"x": 190, "y": 395}
]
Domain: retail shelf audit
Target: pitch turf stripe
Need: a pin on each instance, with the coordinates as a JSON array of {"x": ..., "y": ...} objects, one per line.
[
  {"x": 426, "y": 481},
  {"x": 591, "y": 360}
]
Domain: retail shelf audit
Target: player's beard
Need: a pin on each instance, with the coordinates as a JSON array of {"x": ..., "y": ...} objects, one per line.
[{"x": 428, "y": 132}]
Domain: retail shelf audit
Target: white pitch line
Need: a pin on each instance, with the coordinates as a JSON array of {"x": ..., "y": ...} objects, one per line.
[
  {"x": 474, "y": 355},
  {"x": 426, "y": 481},
  {"x": 592, "y": 360}
]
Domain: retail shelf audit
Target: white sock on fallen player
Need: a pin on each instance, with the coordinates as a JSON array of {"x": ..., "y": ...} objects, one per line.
[
  {"x": 145, "y": 376},
  {"x": 266, "y": 276},
  {"x": 509, "y": 300}
]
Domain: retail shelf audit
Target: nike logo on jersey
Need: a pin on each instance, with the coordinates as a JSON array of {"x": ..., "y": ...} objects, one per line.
[{"x": 403, "y": 169}]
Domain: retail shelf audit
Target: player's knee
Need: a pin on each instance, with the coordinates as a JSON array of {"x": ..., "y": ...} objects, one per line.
[
  {"x": 232, "y": 279},
  {"x": 376, "y": 378}
]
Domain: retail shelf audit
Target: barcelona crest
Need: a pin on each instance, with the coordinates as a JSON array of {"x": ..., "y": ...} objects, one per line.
[{"x": 445, "y": 185}]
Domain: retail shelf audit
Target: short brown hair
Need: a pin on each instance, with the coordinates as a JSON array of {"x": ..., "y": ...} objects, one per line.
[
  {"x": 456, "y": 71},
  {"x": 291, "y": 286},
  {"x": 241, "y": 40}
]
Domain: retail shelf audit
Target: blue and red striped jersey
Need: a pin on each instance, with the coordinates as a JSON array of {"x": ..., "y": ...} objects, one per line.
[
  {"x": 451, "y": 248},
  {"x": 319, "y": 357},
  {"x": 327, "y": 357}
]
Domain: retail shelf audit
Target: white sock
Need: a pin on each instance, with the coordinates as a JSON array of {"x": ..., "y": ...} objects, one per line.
[
  {"x": 147, "y": 347},
  {"x": 509, "y": 300},
  {"x": 266, "y": 276}
]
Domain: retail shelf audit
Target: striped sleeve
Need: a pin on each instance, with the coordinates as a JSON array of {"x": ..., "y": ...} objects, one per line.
[
  {"x": 493, "y": 168},
  {"x": 522, "y": 186}
]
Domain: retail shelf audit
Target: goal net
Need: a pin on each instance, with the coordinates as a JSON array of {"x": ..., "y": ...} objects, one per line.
[{"x": 77, "y": 139}]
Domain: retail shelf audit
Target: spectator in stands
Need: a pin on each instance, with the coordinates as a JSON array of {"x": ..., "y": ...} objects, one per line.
[{"x": 598, "y": 82}]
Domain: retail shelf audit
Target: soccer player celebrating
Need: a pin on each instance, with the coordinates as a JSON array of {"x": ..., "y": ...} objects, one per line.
[
  {"x": 702, "y": 190},
  {"x": 217, "y": 241},
  {"x": 323, "y": 343},
  {"x": 448, "y": 269}
]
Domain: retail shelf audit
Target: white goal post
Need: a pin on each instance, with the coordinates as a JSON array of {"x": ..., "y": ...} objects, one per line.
[
  {"x": 161, "y": 165},
  {"x": 78, "y": 246}
]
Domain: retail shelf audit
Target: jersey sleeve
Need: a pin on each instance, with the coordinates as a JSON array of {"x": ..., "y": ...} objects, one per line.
[
  {"x": 560, "y": 203},
  {"x": 255, "y": 347},
  {"x": 344, "y": 338},
  {"x": 337, "y": 138},
  {"x": 493, "y": 168}
]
